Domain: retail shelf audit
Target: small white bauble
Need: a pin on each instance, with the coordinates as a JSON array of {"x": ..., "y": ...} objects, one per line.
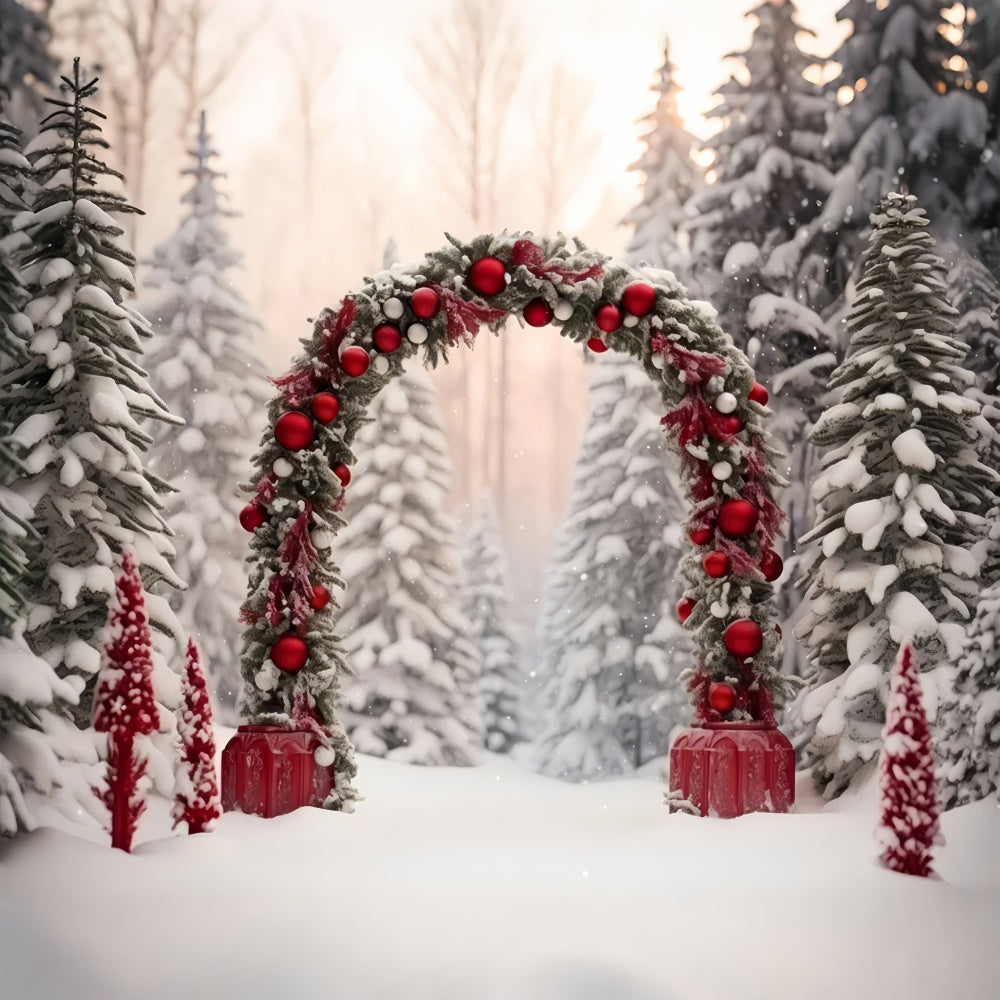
[
  {"x": 282, "y": 468},
  {"x": 380, "y": 364},
  {"x": 726, "y": 402},
  {"x": 267, "y": 677},
  {"x": 416, "y": 333},
  {"x": 321, "y": 538},
  {"x": 630, "y": 320},
  {"x": 722, "y": 470},
  {"x": 563, "y": 310},
  {"x": 324, "y": 756},
  {"x": 392, "y": 308},
  {"x": 657, "y": 361}
]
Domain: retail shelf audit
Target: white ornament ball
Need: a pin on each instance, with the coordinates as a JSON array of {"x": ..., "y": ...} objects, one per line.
[
  {"x": 380, "y": 364},
  {"x": 324, "y": 756},
  {"x": 658, "y": 361},
  {"x": 282, "y": 468},
  {"x": 726, "y": 402},
  {"x": 630, "y": 320},
  {"x": 563, "y": 310},
  {"x": 722, "y": 470},
  {"x": 416, "y": 333},
  {"x": 321, "y": 538},
  {"x": 267, "y": 677},
  {"x": 392, "y": 308}
]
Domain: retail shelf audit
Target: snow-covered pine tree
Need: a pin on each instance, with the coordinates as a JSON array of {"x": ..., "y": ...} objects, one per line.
[
  {"x": 196, "y": 787},
  {"x": 204, "y": 363},
  {"x": 609, "y": 649},
  {"x": 415, "y": 695},
  {"x": 974, "y": 293},
  {"x": 76, "y": 403},
  {"x": 670, "y": 178},
  {"x": 124, "y": 705},
  {"x": 969, "y": 741},
  {"x": 26, "y": 66},
  {"x": 902, "y": 118},
  {"x": 900, "y": 499},
  {"x": 486, "y": 603},
  {"x": 908, "y": 826}
]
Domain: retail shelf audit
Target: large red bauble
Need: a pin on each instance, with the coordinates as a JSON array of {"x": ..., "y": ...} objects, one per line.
[
  {"x": 639, "y": 298},
  {"x": 737, "y": 518},
  {"x": 354, "y": 361},
  {"x": 252, "y": 517},
  {"x": 289, "y": 653},
  {"x": 488, "y": 276},
  {"x": 716, "y": 564},
  {"x": 425, "y": 302},
  {"x": 771, "y": 565},
  {"x": 727, "y": 424},
  {"x": 538, "y": 313},
  {"x": 699, "y": 536},
  {"x": 597, "y": 345},
  {"x": 684, "y": 608},
  {"x": 325, "y": 407},
  {"x": 721, "y": 697},
  {"x": 294, "y": 430},
  {"x": 758, "y": 394},
  {"x": 319, "y": 598},
  {"x": 387, "y": 337},
  {"x": 608, "y": 317},
  {"x": 343, "y": 473},
  {"x": 743, "y": 638}
]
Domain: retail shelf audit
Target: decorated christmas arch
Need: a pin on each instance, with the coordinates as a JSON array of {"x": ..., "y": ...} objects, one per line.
[{"x": 714, "y": 411}]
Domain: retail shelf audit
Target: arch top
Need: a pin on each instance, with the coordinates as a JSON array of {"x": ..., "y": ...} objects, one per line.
[{"x": 714, "y": 419}]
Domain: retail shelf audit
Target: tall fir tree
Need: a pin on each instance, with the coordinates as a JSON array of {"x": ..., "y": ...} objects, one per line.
[
  {"x": 610, "y": 643},
  {"x": 486, "y": 604},
  {"x": 77, "y": 402},
  {"x": 27, "y": 68},
  {"x": 414, "y": 698},
  {"x": 900, "y": 500},
  {"x": 670, "y": 178},
  {"x": 205, "y": 364},
  {"x": 969, "y": 740}
]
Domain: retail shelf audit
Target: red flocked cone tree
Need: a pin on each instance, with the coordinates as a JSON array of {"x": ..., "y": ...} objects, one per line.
[
  {"x": 124, "y": 706},
  {"x": 908, "y": 826},
  {"x": 196, "y": 788}
]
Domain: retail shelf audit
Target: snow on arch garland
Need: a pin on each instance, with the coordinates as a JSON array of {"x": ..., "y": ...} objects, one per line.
[{"x": 292, "y": 665}]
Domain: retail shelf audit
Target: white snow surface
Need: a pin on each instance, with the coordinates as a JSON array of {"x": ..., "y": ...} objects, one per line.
[{"x": 491, "y": 883}]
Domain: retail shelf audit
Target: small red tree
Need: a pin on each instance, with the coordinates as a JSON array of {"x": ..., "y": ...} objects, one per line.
[
  {"x": 124, "y": 706},
  {"x": 196, "y": 788},
  {"x": 908, "y": 826}
]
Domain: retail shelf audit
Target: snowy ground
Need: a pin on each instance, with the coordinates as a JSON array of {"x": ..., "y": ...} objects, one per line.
[{"x": 495, "y": 884}]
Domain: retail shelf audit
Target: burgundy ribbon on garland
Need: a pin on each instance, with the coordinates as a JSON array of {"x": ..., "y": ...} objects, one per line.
[
  {"x": 694, "y": 367},
  {"x": 529, "y": 255},
  {"x": 464, "y": 317}
]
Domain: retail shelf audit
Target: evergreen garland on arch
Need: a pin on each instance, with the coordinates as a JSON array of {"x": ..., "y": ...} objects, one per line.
[{"x": 292, "y": 664}]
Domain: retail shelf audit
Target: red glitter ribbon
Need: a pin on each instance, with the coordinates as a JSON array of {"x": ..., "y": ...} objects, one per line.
[{"x": 529, "y": 255}]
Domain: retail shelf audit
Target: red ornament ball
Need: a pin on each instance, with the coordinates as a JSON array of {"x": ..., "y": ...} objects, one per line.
[
  {"x": 354, "y": 361},
  {"x": 699, "y": 536},
  {"x": 608, "y": 317},
  {"x": 425, "y": 302},
  {"x": 252, "y": 517},
  {"x": 597, "y": 345},
  {"x": 294, "y": 430},
  {"x": 727, "y": 425},
  {"x": 771, "y": 565},
  {"x": 538, "y": 313},
  {"x": 721, "y": 697},
  {"x": 639, "y": 298},
  {"x": 488, "y": 276},
  {"x": 684, "y": 608},
  {"x": 737, "y": 518},
  {"x": 325, "y": 407},
  {"x": 319, "y": 598},
  {"x": 716, "y": 564},
  {"x": 343, "y": 473},
  {"x": 743, "y": 638},
  {"x": 387, "y": 337},
  {"x": 758, "y": 394},
  {"x": 289, "y": 653}
]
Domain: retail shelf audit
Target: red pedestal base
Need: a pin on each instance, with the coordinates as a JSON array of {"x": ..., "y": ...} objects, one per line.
[
  {"x": 268, "y": 771},
  {"x": 727, "y": 769}
]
